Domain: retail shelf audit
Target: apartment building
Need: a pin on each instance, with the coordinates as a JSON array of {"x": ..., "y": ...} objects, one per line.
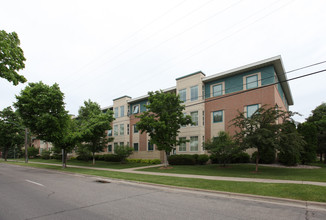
[{"x": 212, "y": 102}]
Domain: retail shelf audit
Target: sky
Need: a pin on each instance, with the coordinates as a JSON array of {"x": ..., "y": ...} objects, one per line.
[{"x": 102, "y": 50}]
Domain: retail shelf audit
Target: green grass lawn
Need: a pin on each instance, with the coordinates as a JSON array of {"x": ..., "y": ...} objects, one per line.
[
  {"x": 100, "y": 164},
  {"x": 246, "y": 170},
  {"x": 291, "y": 191}
]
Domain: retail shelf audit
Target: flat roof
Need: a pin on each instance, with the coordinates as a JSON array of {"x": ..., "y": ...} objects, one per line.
[{"x": 275, "y": 61}]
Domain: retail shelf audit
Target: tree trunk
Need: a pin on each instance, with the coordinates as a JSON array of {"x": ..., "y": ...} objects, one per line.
[
  {"x": 93, "y": 158},
  {"x": 6, "y": 154},
  {"x": 66, "y": 153},
  {"x": 321, "y": 157},
  {"x": 257, "y": 160},
  {"x": 325, "y": 158},
  {"x": 63, "y": 158},
  {"x": 166, "y": 160}
]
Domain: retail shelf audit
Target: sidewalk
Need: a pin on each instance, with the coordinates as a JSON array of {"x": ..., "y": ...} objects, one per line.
[{"x": 236, "y": 179}]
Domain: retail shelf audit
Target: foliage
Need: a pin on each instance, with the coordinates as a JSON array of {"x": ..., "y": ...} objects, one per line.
[
  {"x": 202, "y": 159},
  {"x": 146, "y": 161},
  {"x": 221, "y": 147},
  {"x": 32, "y": 151},
  {"x": 308, "y": 131},
  {"x": 260, "y": 131},
  {"x": 16, "y": 152},
  {"x": 267, "y": 156},
  {"x": 93, "y": 124},
  {"x": 182, "y": 159},
  {"x": 163, "y": 119},
  {"x": 240, "y": 157},
  {"x": 46, "y": 154},
  {"x": 83, "y": 153},
  {"x": 123, "y": 152},
  {"x": 11, "y": 131},
  {"x": 11, "y": 58}
]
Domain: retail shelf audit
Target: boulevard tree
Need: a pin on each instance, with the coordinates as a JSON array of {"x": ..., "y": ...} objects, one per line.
[
  {"x": 11, "y": 58},
  {"x": 162, "y": 121},
  {"x": 11, "y": 131},
  {"x": 93, "y": 125}
]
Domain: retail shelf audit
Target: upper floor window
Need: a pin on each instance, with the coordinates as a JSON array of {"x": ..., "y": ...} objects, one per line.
[
  {"x": 217, "y": 116},
  {"x": 115, "y": 130},
  {"x": 217, "y": 90},
  {"x": 194, "y": 93},
  {"x": 122, "y": 111},
  {"x": 110, "y": 132},
  {"x": 135, "y": 109},
  {"x": 252, "y": 82},
  {"x": 194, "y": 118},
  {"x": 122, "y": 129},
  {"x": 251, "y": 109},
  {"x": 183, "y": 95},
  {"x": 116, "y": 112}
]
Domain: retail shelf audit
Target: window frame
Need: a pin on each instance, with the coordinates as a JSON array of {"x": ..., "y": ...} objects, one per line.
[
  {"x": 222, "y": 87},
  {"x": 116, "y": 112},
  {"x": 247, "y": 109},
  {"x": 122, "y": 111},
  {"x": 115, "y": 130},
  {"x": 221, "y": 116},
  {"x": 191, "y": 150},
  {"x": 137, "y": 147},
  {"x": 185, "y": 94},
  {"x": 185, "y": 145},
  {"x": 134, "y": 107},
  {"x": 191, "y": 96},
  {"x": 149, "y": 144},
  {"x": 122, "y": 129},
  {"x": 256, "y": 81},
  {"x": 197, "y": 118}
]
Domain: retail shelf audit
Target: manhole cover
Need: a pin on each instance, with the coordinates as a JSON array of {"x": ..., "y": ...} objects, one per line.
[{"x": 102, "y": 181}]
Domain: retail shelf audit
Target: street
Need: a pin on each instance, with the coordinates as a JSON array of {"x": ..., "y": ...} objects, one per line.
[{"x": 28, "y": 193}]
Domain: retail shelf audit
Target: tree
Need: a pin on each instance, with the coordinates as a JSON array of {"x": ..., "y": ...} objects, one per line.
[
  {"x": 309, "y": 132},
  {"x": 318, "y": 117},
  {"x": 123, "y": 152},
  {"x": 11, "y": 58},
  {"x": 261, "y": 130},
  {"x": 43, "y": 111},
  {"x": 162, "y": 120},
  {"x": 93, "y": 124},
  {"x": 11, "y": 131},
  {"x": 221, "y": 147}
]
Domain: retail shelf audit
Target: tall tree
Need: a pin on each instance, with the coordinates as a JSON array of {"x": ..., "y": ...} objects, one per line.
[
  {"x": 43, "y": 111},
  {"x": 309, "y": 133},
  {"x": 162, "y": 120},
  {"x": 11, "y": 57},
  {"x": 93, "y": 124},
  {"x": 260, "y": 131},
  {"x": 11, "y": 131}
]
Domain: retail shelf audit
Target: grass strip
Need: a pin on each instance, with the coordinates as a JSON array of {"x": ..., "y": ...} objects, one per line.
[
  {"x": 290, "y": 191},
  {"x": 246, "y": 170}
]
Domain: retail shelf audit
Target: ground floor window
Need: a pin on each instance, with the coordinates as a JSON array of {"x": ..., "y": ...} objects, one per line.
[
  {"x": 135, "y": 146},
  {"x": 194, "y": 143},
  {"x": 150, "y": 146},
  {"x": 182, "y": 146}
]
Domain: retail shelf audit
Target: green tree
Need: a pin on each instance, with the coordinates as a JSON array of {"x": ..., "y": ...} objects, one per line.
[
  {"x": 93, "y": 124},
  {"x": 318, "y": 117},
  {"x": 309, "y": 132},
  {"x": 11, "y": 58},
  {"x": 221, "y": 147},
  {"x": 162, "y": 120},
  {"x": 11, "y": 131},
  {"x": 43, "y": 111},
  {"x": 32, "y": 151},
  {"x": 123, "y": 152},
  {"x": 260, "y": 131}
]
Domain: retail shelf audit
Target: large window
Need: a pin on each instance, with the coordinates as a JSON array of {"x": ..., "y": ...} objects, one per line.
[
  {"x": 115, "y": 130},
  {"x": 135, "y": 129},
  {"x": 194, "y": 143},
  {"x": 122, "y": 129},
  {"x": 183, "y": 146},
  {"x": 110, "y": 148},
  {"x": 217, "y": 90},
  {"x": 122, "y": 111},
  {"x": 135, "y": 109},
  {"x": 116, "y": 112},
  {"x": 194, "y": 118},
  {"x": 150, "y": 146},
  {"x": 251, "y": 109},
  {"x": 217, "y": 116},
  {"x": 110, "y": 132},
  {"x": 252, "y": 82},
  {"x": 183, "y": 95},
  {"x": 194, "y": 93},
  {"x": 135, "y": 146}
]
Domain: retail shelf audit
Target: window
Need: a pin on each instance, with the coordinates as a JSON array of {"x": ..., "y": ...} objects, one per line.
[
  {"x": 217, "y": 90},
  {"x": 110, "y": 132},
  {"x": 115, "y": 130},
  {"x": 109, "y": 148},
  {"x": 251, "y": 109},
  {"x": 217, "y": 116},
  {"x": 183, "y": 95},
  {"x": 194, "y": 143},
  {"x": 150, "y": 146},
  {"x": 194, "y": 118},
  {"x": 203, "y": 118},
  {"x": 122, "y": 143},
  {"x": 135, "y": 146},
  {"x": 252, "y": 82},
  {"x": 115, "y": 145},
  {"x": 128, "y": 129},
  {"x": 135, "y": 109},
  {"x": 183, "y": 146},
  {"x": 184, "y": 115},
  {"x": 194, "y": 93},
  {"x": 122, "y": 111},
  {"x": 135, "y": 129},
  {"x": 122, "y": 129},
  {"x": 116, "y": 112}
]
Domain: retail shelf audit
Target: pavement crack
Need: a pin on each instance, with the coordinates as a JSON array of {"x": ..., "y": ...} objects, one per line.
[
  {"x": 307, "y": 212},
  {"x": 88, "y": 206},
  {"x": 50, "y": 194}
]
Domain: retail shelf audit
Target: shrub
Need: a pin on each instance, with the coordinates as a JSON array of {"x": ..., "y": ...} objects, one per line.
[
  {"x": 266, "y": 157},
  {"x": 46, "y": 155},
  {"x": 123, "y": 152},
  {"x": 240, "y": 157},
  {"x": 83, "y": 153},
  {"x": 32, "y": 151},
  {"x": 182, "y": 159},
  {"x": 202, "y": 159},
  {"x": 111, "y": 158}
]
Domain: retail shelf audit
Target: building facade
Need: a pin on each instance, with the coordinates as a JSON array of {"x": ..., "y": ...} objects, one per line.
[{"x": 211, "y": 101}]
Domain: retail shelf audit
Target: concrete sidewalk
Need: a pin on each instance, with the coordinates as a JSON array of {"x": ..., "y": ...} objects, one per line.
[{"x": 236, "y": 179}]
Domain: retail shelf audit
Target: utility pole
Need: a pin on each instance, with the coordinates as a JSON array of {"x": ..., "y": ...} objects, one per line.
[{"x": 26, "y": 153}]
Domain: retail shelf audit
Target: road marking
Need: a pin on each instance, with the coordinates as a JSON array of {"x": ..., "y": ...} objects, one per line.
[{"x": 39, "y": 184}]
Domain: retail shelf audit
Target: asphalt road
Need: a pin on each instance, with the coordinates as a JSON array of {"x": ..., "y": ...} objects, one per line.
[{"x": 28, "y": 193}]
